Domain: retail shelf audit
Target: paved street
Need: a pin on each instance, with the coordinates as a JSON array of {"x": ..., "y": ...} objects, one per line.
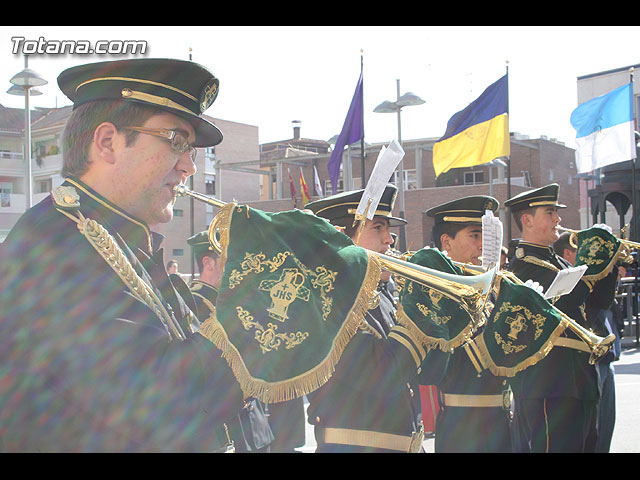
[{"x": 626, "y": 436}]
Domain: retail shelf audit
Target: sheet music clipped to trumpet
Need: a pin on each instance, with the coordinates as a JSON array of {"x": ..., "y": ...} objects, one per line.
[
  {"x": 386, "y": 163},
  {"x": 491, "y": 240},
  {"x": 565, "y": 281}
]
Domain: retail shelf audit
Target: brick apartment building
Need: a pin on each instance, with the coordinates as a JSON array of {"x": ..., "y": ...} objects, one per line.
[
  {"x": 239, "y": 169},
  {"x": 534, "y": 163}
]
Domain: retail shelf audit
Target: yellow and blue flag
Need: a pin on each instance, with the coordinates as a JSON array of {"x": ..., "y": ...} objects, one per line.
[{"x": 477, "y": 134}]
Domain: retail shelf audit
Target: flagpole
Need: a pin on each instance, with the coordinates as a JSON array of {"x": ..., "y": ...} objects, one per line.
[
  {"x": 191, "y": 212},
  {"x": 633, "y": 207},
  {"x": 362, "y": 156},
  {"x": 633, "y": 171},
  {"x": 508, "y": 219}
]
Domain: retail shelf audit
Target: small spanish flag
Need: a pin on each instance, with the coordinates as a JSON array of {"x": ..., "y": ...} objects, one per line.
[
  {"x": 303, "y": 189},
  {"x": 292, "y": 188},
  {"x": 477, "y": 134}
]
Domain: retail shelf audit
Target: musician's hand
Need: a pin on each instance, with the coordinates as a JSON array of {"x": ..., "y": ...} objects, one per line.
[
  {"x": 535, "y": 286},
  {"x": 603, "y": 226}
]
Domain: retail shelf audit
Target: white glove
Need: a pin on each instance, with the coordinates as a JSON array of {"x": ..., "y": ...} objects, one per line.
[
  {"x": 535, "y": 286},
  {"x": 603, "y": 226}
]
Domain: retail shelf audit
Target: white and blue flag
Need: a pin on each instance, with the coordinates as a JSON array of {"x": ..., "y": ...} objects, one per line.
[{"x": 604, "y": 130}]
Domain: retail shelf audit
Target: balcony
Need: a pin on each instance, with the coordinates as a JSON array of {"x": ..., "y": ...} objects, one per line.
[{"x": 12, "y": 165}]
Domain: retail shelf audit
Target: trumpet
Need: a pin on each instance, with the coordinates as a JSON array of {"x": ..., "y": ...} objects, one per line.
[
  {"x": 574, "y": 234},
  {"x": 469, "y": 291},
  {"x": 598, "y": 346}
]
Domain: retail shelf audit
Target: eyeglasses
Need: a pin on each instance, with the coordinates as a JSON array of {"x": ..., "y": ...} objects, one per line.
[{"x": 178, "y": 141}]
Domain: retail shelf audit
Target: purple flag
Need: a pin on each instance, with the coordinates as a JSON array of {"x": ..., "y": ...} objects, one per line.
[{"x": 352, "y": 131}]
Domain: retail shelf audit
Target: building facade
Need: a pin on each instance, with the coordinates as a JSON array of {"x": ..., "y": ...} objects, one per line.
[
  {"x": 215, "y": 176},
  {"x": 606, "y": 194},
  {"x": 533, "y": 163},
  {"x": 268, "y": 177}
]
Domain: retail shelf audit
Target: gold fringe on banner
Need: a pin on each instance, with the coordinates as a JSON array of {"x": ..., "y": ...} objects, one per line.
[
  {"x": 434, "y": 342},
  {"x": 307, "y": 382}
]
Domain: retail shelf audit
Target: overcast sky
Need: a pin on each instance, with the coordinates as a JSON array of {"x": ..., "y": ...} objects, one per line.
[{"x": 272, "y": 75}]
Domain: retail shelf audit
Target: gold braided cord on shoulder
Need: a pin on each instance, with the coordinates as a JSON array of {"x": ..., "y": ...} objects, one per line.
[
  {"x": 540, "y": 263},
  {"x": 273, "y": 392},
  {"x": 102, "y": 241}
]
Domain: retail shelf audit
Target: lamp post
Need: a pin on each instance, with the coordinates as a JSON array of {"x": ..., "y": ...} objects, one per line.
[
  {"x": 496, "y": 162},
  {"x": 23, "y": 82},
  {"x": 407, "y": 100}
]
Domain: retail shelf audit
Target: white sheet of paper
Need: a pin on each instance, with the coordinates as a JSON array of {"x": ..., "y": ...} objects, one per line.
[
  {"x": 565, "y": 281},
  {"x": 386, "y": 163},
  {"x": 491, "y": 239}
]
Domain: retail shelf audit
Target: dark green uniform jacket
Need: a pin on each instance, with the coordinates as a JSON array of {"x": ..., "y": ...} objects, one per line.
[
  {"x": 249, "y": 430},
  {"x": 87, "y": 366},
  {"x": 474, "y": 415},
  {"x": 573, "y": 377},
  {"x": 368, "y": 392},
  {"x": 556, "y": 399}
]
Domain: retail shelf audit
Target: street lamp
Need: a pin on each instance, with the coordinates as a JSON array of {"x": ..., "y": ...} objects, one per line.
[
  {"x": 407, "y": 100},
  {"x": 22, "y": 83}
]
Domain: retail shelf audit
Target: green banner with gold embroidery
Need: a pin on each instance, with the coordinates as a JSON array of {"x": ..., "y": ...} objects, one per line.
[
  {"x": 293, "y": 293},
  {"x": 521, "y": 330},
  {"x": 436, "y": 318},
  {"x": 599, "y": 250}
]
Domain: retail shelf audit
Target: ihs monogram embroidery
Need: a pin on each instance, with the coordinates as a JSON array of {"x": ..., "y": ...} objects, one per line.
[
  {"x": 289, "y": 285},
  {"x": 518, "y": 318},
  {"x": 284, "y": 291}
]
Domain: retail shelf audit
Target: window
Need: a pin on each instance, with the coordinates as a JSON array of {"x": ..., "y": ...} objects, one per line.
[
  {"x": 6, "y": 189},
  {"x": 328, "y": 188},
  {"x": 473, "y": 178},
  {"x": 178, "y": 212},
  {"x": 210, "y": 185},
  {"x": 408, "y": 177},
  {"x": 178, "y": 252},
  {"x": 44, "y": 186}
]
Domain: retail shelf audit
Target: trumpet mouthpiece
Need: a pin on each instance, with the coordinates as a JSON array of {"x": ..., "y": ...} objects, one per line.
[{"x": 180, "y": 190}]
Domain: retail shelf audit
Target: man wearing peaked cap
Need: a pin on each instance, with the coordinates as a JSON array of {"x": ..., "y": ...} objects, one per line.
[
  {"x": 458, "y": 226},
  {"x": 546, "y": 196},
  {"x": 112, "y": 325},
  {"x": 556, "y": 399},
  {"x": 474, "y": 417},
  {"x": 340, "y": 209},
  {"x": 351, "y": 413},
  {"x": 182, "y": 88}
]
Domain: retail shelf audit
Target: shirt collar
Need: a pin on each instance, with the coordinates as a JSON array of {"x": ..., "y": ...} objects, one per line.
[
  {"x": 205, "y": 289},
  {"x": 544, "y": 249},
  {"x": 135, "y": 232}
]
